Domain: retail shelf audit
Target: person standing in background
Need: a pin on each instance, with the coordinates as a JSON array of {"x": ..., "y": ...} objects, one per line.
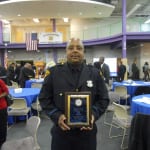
[
  {"x": 3, "y": 74},
  {"x": 121, "y": 71},
  {"x": 135, "y": 71},
  {"x": 73, "y": 76},
  {"x": 146, "y": 71},
  {"x": 105, "y": 70},
  {"x": 11, "y": 73},
  {"x": 17, "y": 72},
  {"x": 3, "y": 112}
]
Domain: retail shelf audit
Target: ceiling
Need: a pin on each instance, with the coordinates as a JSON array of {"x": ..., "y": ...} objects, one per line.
[{"x": 46, "y": 10}]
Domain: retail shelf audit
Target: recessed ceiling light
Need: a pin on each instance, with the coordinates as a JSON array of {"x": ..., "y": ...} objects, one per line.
[
  {"x": 99, "y": 13},
  {"x": 80, "y": 13},
  {"x": 66, "y": 19},
  {"x": 36, "y": 20},
  {"x": 19, "y": 15}
]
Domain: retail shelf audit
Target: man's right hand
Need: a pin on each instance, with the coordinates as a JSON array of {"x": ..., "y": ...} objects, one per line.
[{"x": 61, "y": 123}]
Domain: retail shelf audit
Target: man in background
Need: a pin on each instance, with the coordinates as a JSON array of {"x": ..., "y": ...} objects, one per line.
[
  {"x": 105, "y": 70},
  {"x": 121, "y": 71},
  {"x": 26, "y": 73}
]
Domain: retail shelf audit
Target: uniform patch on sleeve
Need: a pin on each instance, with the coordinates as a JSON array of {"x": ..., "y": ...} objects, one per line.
[
  {"x": 47, "y": 73},
  {"x": 100, "y": 73}
]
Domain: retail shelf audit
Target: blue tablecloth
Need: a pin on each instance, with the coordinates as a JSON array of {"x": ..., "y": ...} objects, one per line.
[
  {"x": 28, "y": 83},
  {"x": 139, "y": 104},
  {"x": 131, "y": 87},
  {"x": 30, "y": 94}
]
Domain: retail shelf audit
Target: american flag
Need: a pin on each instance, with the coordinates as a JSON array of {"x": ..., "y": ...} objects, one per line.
[
  {"x": 31, "y": 42},
  {"x": 5, "y": 58}
]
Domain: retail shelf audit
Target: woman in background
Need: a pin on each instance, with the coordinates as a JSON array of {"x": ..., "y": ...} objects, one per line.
[{"x": 3, "y": 112}]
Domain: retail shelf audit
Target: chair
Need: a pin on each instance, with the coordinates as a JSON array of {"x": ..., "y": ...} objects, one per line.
[
  {"x": 36, "y": 106},
  {"x": 122, "y": 120},
  {"x": 113, "y": 97},
  {"x": 14, "y": 85},
  {"x": 19, "y": 108},
  {"x": 26, "y": 143},
  {"x": 32, "y": 127},
  {"x": 36, "y": 85},
  {"x": 122, "y": 91}
]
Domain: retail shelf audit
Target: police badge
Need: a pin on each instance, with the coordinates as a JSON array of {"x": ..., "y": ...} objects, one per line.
[
  {"x": 89, "y": 83},
  {"x": 78, "y": 109}
]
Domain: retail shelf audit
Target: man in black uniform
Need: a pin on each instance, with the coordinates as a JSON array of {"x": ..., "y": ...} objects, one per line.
[{"x": 73, "y": 76}]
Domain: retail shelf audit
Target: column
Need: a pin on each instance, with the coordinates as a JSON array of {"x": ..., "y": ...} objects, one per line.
[{"x": 124, "y": 49}]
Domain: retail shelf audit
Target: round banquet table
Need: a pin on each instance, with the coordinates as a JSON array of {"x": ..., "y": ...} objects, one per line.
[
  {"x": 131, "y": 87},
  {"x": 30, "y": 94},
  {"x": 140, "y": 104}
]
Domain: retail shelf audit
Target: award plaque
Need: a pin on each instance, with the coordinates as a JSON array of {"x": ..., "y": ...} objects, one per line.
[{"x": 78, "y": 109}]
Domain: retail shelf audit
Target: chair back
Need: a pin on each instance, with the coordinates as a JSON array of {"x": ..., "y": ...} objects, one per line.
[
  {"x": 121, "y": 90},
  {"x": 120, "y": 111},
  {"x": 113, "y": 96},
  {"x": 14, "y": 84},
  {"x": 19, "y": 103},
  {"x": 36, "y": 85},
  {"x": 32, "y": 127}
]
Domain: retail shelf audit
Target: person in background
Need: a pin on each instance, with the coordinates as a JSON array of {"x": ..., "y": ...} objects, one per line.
[
  {"x": 3, "y": 74},
  {"x": 26, "y": 73},
  {"x": 11, "y": 73},
  {"x": 146, "y": 71},
  {"x": 105, "y": 70},
  {"x": 17, "y": 73},
  {"x": 135, "y": 71},
  {"x": 121, "y": 71},
  {"x": 73, "y": 76},
  {"x": 3, "y": 112}
]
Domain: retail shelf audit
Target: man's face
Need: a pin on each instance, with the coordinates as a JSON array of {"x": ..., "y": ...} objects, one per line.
[{"x": 75, "y": 51}]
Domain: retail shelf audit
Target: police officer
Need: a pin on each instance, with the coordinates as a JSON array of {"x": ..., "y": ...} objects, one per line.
[{"x": 73, "y": 76}]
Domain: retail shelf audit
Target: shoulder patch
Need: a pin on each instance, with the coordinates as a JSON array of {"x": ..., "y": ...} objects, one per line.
[
  {"x": 47, "y": 72},
  {"x": 101, "y": 74}
]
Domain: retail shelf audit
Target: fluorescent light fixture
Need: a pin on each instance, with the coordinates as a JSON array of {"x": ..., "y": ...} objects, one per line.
[
  {"x": 133, "y": 9},
  {"x": 36, "y": 20},
  {"x": 65, "y": 19},
  {"x": 148, "y": 20}
]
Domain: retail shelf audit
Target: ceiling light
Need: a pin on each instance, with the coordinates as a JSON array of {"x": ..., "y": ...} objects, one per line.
[
  {"x": 80, "y": 13},
  {"x": 19, "y": 15},
  {"x": 133, "y": 9},
  {"x": 36, "y": 20},
  {"x": 65, "y": 19}
]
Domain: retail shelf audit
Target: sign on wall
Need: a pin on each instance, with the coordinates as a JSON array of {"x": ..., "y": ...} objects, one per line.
[{"x": 50, "y": 37}]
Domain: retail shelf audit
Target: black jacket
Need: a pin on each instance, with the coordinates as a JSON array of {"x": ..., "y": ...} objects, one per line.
[{"x": 60, "y": 80}]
